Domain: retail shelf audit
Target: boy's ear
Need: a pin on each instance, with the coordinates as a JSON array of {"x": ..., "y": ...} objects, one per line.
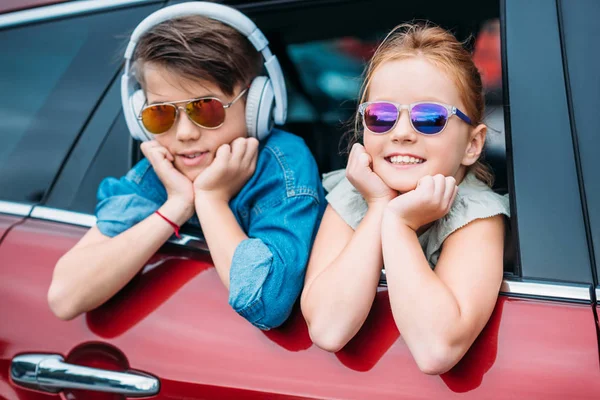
[{"x": 475, "y": 145}]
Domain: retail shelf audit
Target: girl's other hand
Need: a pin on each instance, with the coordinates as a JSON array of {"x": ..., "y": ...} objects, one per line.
[
  {"x": 360, "y": 173},
  {"x": 428, "y": 202},
  {"x": 230, "y": 170},
  {"x": 179, "y": 188}
]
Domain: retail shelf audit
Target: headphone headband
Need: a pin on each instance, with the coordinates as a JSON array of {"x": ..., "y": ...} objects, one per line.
[{"x": 228, "y": 16}]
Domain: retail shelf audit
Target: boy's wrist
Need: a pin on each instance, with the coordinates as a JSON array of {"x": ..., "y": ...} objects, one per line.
[
  {"x": 210, "y": 196},
  {"x": 209, "y": 203},
  {"x": 177, "y": 210}
]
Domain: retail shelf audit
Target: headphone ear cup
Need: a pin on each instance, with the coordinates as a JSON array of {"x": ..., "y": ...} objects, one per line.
[
  {"x": 137, "y": 101},
  {"x": 260, "y": 104}
]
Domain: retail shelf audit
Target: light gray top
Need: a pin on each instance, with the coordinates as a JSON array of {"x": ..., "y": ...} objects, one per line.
[{"x": 474, "y": 200}]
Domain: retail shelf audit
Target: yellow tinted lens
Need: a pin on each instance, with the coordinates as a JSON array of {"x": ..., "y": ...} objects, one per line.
[
  {"x": 158, "y": 119},
  {"x": 208, "y": 113}
]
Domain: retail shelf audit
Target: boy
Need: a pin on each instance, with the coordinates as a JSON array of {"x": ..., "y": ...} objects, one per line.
[{"x": 258, "y": 204}]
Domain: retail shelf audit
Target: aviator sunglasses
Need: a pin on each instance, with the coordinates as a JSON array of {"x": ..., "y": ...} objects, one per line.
[
  {"x": 427, "y": 118},
  {"x": 205, "y": 112}
]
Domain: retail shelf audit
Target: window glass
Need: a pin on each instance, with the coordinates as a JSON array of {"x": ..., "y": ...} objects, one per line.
[
  {"x": 56, "y": 74},
  {"x": 581, "y": 33}
]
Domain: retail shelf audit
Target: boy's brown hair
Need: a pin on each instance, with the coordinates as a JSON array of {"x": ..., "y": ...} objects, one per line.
[{"x": 199, "y": 48}]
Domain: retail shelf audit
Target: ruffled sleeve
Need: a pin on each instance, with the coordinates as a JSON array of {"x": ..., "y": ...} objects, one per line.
[
  {"x": 474, "y": 200},
  {"x": 344, "y": 198}
]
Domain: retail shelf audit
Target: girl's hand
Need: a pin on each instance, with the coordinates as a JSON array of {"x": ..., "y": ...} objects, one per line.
[
  {"x": 430, "y": 201},
  {"x": 232, "y": 167},
  {"x": 367, "y": 182},
  {"x": 179, "y": 188}
]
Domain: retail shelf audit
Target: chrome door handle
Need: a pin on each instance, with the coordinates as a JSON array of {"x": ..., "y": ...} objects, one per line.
[{"x": 49, "y": 372}]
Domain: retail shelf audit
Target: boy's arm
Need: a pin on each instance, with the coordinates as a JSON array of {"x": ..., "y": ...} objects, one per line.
[
  {"x": 98, "y": 266},
  {"x": 221, "y": 230},
  {"x": 264, "y": 271}
]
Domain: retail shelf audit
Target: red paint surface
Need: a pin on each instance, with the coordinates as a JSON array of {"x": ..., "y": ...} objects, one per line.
[
  {"x": 6, "y": 221},
  {"x": 173, "y": 321}
]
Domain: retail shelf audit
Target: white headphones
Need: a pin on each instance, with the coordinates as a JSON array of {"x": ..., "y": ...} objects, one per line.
[{"x": 266, "y": 103}]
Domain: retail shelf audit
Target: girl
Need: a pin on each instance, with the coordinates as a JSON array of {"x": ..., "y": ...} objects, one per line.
[{"x": 416, "y": 199}]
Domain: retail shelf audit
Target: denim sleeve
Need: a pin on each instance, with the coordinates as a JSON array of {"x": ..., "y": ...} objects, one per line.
[
  {"x": 121, "y": 206},
  {"x": 267, "y": 270}
]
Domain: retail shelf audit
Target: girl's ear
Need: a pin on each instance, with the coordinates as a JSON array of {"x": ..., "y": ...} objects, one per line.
[{"x": 475, "y": 145}]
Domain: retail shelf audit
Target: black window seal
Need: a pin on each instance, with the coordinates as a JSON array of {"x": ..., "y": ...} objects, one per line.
[{"x": 510, "y": 179}]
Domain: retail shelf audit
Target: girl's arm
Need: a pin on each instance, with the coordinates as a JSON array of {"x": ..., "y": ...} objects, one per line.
[
  {"x": 440, "y": 313},
  {"x": 98, "y": 266},
  {"x": 345, "y": 266},
  {"x": 342, "y": 278}
]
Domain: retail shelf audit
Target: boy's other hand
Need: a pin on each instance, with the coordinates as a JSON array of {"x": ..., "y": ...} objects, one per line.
[
  {"x": 179, "y": 188},
  {"x": 360, "y": 173},
  {"x": 231, "y": 168},
  {"x": 428, "y": 202}
]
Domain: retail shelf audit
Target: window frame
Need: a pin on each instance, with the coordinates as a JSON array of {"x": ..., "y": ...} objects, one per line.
[
  {"x": 549, "y": 224},
  {"x": 578, "y": 29}
]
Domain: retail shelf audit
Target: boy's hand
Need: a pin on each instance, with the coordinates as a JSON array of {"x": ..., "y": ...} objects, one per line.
[
  {"x": 179, "y": 188},
  {"x": 367, "y": 182},
  {"x": 232, "y": 167},
  {"x": 430, "y": 201}
]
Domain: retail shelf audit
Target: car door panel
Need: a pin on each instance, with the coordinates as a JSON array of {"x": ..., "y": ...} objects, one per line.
[
  {"x": 173, "y": 321},
  {"x": 6, "y": 222}
]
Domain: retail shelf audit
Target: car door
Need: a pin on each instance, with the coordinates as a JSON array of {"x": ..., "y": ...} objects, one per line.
[
  {"x": 172, "y": 324},
  {"x": 62, "y": 61}
]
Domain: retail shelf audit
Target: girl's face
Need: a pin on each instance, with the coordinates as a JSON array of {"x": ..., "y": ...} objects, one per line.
[
  {"x": 192, "y": 147},
  {"x": 448, "y": 153}
]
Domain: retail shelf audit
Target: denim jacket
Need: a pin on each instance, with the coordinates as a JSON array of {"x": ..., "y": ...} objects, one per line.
[{"x": 279, "y": 208}]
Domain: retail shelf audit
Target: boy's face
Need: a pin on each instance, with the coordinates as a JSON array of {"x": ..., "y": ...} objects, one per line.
[{"x": 192, "y": 147}]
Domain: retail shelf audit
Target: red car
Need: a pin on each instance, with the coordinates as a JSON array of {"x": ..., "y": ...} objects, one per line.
[{"x": 170, "y": 333}]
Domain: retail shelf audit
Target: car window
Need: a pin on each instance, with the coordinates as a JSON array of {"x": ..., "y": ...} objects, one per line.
[
  {"x": 56, "y": 75},
  {"x": 324, "y": 93},
  {"x": 102, "y": 150}
]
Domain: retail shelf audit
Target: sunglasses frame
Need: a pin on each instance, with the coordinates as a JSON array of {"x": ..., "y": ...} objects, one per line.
[
  {"x": 186, "y": 102},
  {"x": 452, "y": 110}
]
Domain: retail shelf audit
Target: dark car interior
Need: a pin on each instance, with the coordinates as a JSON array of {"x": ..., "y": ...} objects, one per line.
[{"x": 328, "y": 47}]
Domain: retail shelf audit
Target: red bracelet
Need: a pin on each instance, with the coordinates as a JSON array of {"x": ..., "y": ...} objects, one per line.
[{"x": 173, "y": 224}]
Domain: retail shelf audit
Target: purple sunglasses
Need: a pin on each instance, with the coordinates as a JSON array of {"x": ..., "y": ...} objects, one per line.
[{"x": 428, "y": 118}]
